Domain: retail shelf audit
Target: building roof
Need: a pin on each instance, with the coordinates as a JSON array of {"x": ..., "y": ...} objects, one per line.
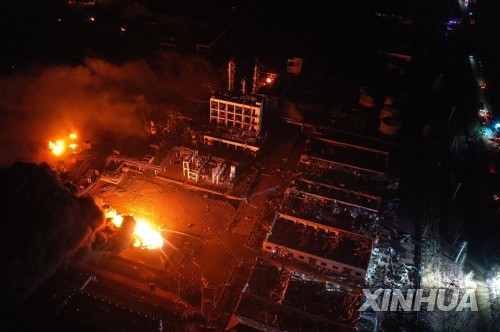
[
  {"x": 328, "y": 213},
  {"x": 347, "y": 155},
  {"x": 337, "y": 194},
  {"x": 238, "y": 99},
  {"x": 344, "y": 177},
  {"x": 344, "y": 248}
]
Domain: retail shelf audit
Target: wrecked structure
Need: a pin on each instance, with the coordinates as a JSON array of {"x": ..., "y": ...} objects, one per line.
[
  {"x": 244, "y": 112},
  {"x": 319, "y": 245},
  {"x": 196, "y": 167},
  {"x": 328, "y": 213},
  {"x": 281, "y": 298},
  {"x": 208, "y": 169},
  {"x": 237, "y": 122},
  {"x": 325, "y": 152},
  {"x": 236, "y": 118}
]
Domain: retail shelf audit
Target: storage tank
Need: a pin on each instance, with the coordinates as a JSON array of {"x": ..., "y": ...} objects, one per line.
[
  {"x": 388, "y": 111},
  {"x": 366, "y": 100},
  {"x": 390, "y": 126}
]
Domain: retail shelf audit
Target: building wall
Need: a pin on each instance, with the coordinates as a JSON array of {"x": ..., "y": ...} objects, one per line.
[
  {"x": 317, "y": 261},
  {"x": 239, "y": 115}
]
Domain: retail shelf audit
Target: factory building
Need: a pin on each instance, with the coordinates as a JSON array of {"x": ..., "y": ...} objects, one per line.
[
  {"x": 236, "y": 118},
  {"x": 319, "y": 245},
  {"x": 243, "y": 113}
]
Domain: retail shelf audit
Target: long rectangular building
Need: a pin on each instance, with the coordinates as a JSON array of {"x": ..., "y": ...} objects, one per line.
[{"x": 319, "y": 245}]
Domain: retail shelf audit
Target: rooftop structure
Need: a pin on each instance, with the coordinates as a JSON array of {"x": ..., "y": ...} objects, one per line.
[
  {"x": 319, "y": 245},
  {"x": 328, "y": 213},
  {"x": 233, "y": 138},
  {"x": 344, "y": 177},
  {"x": 214, "y": 171},
  {"x": 340, "y": 195},
  {"x": 327, "y": 152}
]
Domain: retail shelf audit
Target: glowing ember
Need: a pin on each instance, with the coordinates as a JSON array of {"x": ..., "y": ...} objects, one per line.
[
  {"x": 269, "y": 80},
  {"x": 73, "y": 136},
  {"x": 57, "y": 147},
  {"x": 73, "y": 146},
  {"x": 146, "y": 236}
]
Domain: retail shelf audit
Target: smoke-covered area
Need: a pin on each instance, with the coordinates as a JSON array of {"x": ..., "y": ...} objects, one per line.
[
  {"x": 108, "y": 239},
  {"x": 43, "y": 224},
  {"x": 289, "y": 110},
  {"x": 94, "y": 98}
]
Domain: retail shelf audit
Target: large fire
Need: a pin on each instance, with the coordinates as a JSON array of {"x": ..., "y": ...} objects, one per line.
[
  {"x": 146, "y": 236},
  {"x": 59, "y": 147}
]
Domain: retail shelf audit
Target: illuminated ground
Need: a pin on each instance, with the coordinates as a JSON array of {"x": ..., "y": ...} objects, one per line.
[{"x": 200, "y": 255}]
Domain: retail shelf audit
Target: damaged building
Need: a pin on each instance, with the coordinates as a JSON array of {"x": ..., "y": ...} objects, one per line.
[
  {"x": 208, "y": 169},
  {"x": 237, "y": 123},
  {"x": 281, "y": 298},
  {"x": 319, "y": 245}
]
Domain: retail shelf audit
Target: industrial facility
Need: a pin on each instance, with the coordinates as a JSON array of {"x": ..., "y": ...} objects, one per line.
[{"x": 217, "y": 167}]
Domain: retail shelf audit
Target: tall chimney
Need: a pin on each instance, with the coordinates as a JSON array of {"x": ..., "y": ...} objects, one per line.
[
  {"x": 230, "y": 75},
  {"x": 243, "y": 86},
  {"x": 256, "y": 77}
]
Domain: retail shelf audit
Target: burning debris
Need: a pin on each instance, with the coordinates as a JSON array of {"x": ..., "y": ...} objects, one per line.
[
  {"x": 60, "y": 146},
  {"x": 144, "y": 234}
]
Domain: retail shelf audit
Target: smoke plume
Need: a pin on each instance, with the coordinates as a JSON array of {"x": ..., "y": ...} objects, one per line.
[
  {"x": 43, "y": 224},
  {"x": 94, "y": 98}
]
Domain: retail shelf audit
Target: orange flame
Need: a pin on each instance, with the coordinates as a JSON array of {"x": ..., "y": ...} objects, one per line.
[
  {"x": 116, "y": 218},
  {"x": 146, "y": 236},
  {"x": 57, "y": 147}
]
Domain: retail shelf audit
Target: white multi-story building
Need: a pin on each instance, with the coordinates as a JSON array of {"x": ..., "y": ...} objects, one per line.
[{"x": 243, "y": 113}]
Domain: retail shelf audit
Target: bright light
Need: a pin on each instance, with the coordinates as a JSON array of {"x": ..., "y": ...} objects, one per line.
[
  {"x": 494, "y": 286},
  {"x": 92, "y": 19},
  {"x": 57, "y": 147},
  {"x": 469, "y": 282},
  {"x": 116, "y": 219},
  {"x": 146, "y": 236},
  {"x": 269, "y": 80},
  {"x": 497, "y": 125}
]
